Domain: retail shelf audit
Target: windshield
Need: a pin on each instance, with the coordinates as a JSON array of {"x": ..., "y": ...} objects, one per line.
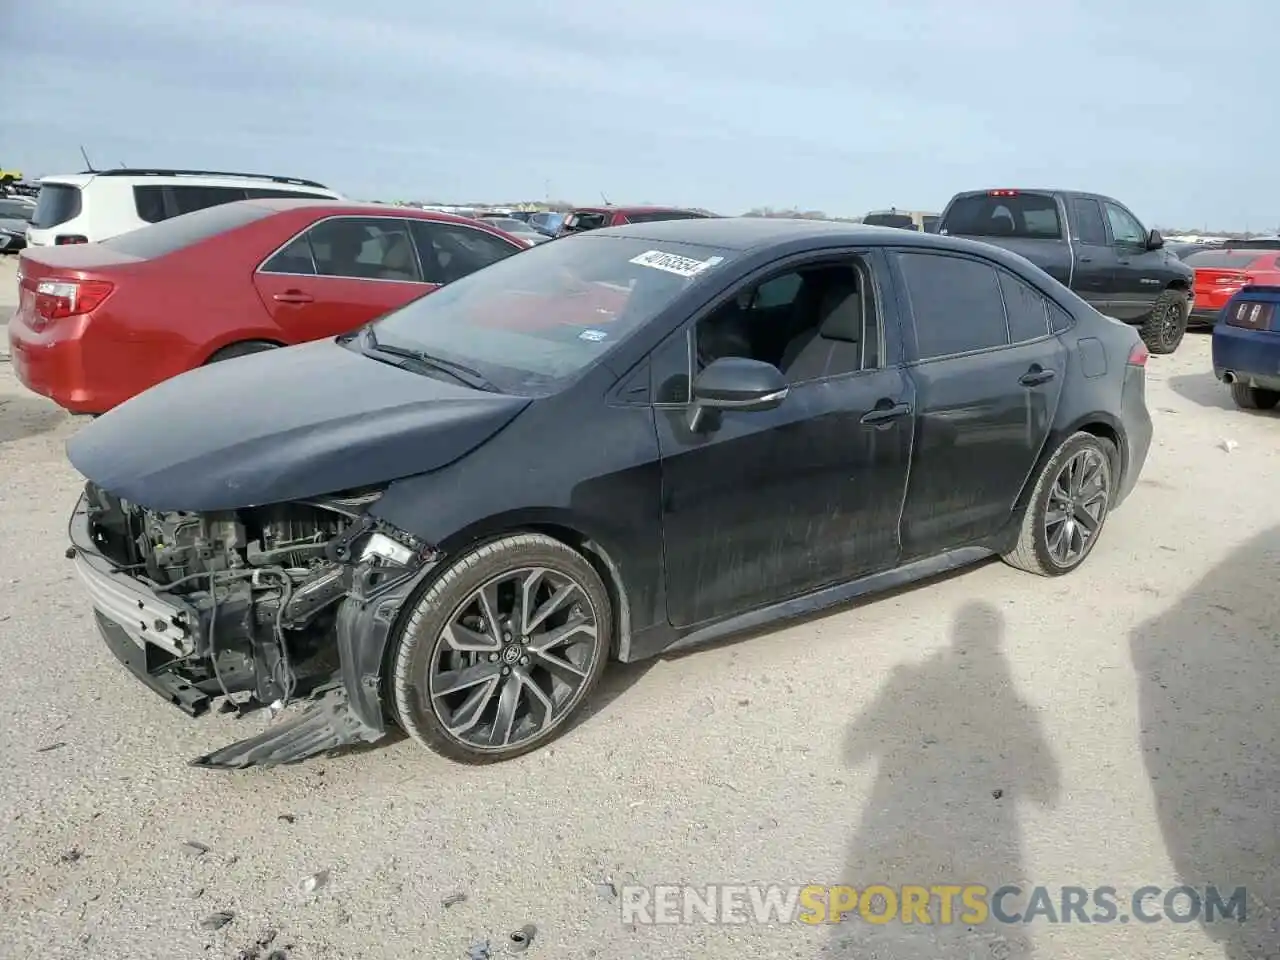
[
  {"x": 16, "y": 210},
  {"x": 898, "y": 220},
  {"x": 1221, "y": 259},
  {"x": 531, "y": 322},
  {"x": 584, "y": 221}
]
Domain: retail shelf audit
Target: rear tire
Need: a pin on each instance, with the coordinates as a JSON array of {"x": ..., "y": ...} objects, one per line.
[
  {"x": 1074, "y": 489},
  {"x": 242, "y": 349},
  {"x": 1163, "y": 328},
  {"x": 1254, "y": 398}
]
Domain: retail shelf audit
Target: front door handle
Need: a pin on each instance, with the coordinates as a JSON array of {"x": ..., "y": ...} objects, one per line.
[
  {"x": 1084, "y": 259},
  {"x": 292, "y": 296},
  {"x": 886, "y": 412},
  {"x": 1036, "y": 376}
]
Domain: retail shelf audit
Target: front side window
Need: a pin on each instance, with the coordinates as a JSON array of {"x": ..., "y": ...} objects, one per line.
[
  {"x": 533, "y": 321},
  {"x": 956, "y": 304},
  {"x": 1124, "y": 228},
  {"x": 364, "y": 248}
]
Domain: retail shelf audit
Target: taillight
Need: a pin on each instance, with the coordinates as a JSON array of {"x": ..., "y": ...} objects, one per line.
[
  {"x": 1002, "y": 193},
  {"x": 64, "y": 238},
  {"x": 1237, "y": 279},
  {"x": 1139, "y": 355},
  {"x": 1250, "y": 314},
  {"x": 59, "y": 299}
]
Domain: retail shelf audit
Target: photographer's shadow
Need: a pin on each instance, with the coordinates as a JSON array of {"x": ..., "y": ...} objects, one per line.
[{"x": 956, "y": 751}]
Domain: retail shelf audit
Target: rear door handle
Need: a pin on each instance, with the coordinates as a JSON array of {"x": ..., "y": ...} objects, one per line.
[
  {"x": 886, "y": 413},
  {"x": 292, "y": 296},
  {"x": 1035, "y": 376}
]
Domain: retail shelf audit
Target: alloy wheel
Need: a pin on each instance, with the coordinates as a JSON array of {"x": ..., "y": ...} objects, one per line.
[
  {"x": 1077, "y": 506},
  {"x": 512, "y": 660}
]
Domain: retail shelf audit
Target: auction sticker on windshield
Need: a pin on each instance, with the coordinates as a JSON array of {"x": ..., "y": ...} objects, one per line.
[{"x": 673, "y": 263}]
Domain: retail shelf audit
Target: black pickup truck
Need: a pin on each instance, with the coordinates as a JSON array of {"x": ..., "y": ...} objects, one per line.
[{"x": 1093, "y": 245}]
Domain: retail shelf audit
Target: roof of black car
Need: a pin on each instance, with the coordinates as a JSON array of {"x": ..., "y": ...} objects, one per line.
[{"x": 749, "y": 233}]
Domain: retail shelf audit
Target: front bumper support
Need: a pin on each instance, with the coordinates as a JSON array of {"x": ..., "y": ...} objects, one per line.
[{"x": 153, "y": 633}]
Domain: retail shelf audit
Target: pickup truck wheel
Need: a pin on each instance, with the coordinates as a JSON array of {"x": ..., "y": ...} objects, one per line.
[
  {"x": 1253, "y": 398},
  {"x": 498, "y": 654},
  {"x": 1068, "y": 507},
  {"x": 1163, "y": 327}
]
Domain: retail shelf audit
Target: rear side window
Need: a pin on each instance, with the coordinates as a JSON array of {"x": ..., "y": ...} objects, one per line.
[
  {"x": 149, "y": 202},
  {"x": 189, "y": 199},
  {"x": 296, "y": 258},
  {"x": 956, "y": 304},
  {"x": 58, "y": 203},
  {"x": 1087, "y": 213},
  {"x": 179, "y": 232},
  {"x": 1033, "y": 216},
  {"x": 1027, "y": 310}
]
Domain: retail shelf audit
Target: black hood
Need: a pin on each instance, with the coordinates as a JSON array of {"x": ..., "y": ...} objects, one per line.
[{"x": 283, "y": 425}]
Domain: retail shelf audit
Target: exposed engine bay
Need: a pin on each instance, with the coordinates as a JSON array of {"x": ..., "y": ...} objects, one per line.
[{"x": 262, "y": 588}]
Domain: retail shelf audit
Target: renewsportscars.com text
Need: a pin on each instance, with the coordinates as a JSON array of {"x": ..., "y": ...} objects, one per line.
[{"x": 927, "y": 904}]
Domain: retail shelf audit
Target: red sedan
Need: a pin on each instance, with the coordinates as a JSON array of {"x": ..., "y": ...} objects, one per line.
[
  {"x": 98, "y": 323},
  {"x": 1221, "y": 272}
]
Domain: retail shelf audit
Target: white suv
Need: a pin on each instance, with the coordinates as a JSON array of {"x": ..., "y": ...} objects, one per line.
[{"x": 88, "y": 207}]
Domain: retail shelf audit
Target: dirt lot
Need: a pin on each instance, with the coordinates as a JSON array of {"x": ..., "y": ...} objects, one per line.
[{"x": 1124, "y": 717}]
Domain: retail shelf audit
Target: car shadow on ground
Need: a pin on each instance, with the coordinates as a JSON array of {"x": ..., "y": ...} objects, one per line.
[
  {"x": 1208, "y": 673},
  {"x": 22, "y": 417},
  {"x": 1203, "y": 389},
  {"x": 956, "y": 750}
]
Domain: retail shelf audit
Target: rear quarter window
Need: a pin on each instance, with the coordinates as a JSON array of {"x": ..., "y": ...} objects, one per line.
[
  {"x": 1032, "y": 216},
  {"x": 174, "y": 234},
  {"x": 58, "y": 203}
]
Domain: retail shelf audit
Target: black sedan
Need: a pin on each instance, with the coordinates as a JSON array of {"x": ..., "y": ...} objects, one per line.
[{"x": 629, "y": 441}]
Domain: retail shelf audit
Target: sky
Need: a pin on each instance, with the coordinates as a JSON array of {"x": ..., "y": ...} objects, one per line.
[{"x": 842, "y": 106}]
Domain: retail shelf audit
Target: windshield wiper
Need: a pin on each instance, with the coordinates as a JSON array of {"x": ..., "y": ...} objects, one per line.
[{"x": 469, "y": 376}]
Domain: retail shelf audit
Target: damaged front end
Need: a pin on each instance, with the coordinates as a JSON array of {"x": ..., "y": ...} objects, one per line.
[{"x": 261, "y": 606}]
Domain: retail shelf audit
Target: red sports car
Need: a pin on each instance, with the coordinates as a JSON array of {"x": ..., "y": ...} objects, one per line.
[
  {"x": 100, "y": 322},
  {"x": 1222, "y": 271}
]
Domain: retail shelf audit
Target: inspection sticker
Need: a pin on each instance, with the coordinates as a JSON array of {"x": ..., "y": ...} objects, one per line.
[
  {"x": 595, "y": 336},
  {"x": 673, "y": 263}
]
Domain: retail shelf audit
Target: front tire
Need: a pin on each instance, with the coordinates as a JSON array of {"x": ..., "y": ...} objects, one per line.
[
  {"x": 1253, "y": 398},
  {"x": 501, "y": 650},
  {"x": 1068, "y": 507},
  {"x": 242, "y": 349},
  {"x": 1165, "y": 325}
]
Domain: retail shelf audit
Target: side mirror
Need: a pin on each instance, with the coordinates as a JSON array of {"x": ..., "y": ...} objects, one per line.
[
  {"x": 1154, "y": 240},
  {"x": 736, "y": 383}
]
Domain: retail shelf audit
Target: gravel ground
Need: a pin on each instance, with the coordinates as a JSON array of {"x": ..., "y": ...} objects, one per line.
[{"x": 1124, "y": 715}]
